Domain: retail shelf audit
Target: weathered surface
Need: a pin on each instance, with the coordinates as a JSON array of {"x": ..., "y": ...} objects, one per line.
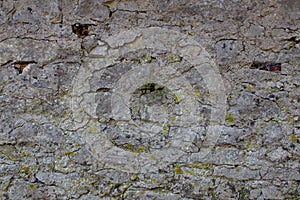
[{"x": 149, "y": 99}]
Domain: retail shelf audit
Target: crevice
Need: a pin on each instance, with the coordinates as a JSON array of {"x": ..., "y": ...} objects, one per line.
[{"x": 21, "y": 65}]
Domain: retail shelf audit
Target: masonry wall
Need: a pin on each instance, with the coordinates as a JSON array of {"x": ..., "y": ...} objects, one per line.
[{"x": 150, "y": 99}]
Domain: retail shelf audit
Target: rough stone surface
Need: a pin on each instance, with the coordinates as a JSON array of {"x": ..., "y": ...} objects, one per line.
[{"x": 149, "y": 99}]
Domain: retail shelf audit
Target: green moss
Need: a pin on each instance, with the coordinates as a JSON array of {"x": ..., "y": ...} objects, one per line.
[
  {"x": 171, "y": 57},
  {"x": 244, "y": 194},
  {"x": 198, "y": 165},
  {"x": 148, "y": 57},
  {"x": 135, "y": 149},
  {"x": 178, "y": 170},
  {"x": 191, "y": 172},
  {"x": 129, "y": 146},
  {"x": 175, "y": 59},
  {"x": 55, "y": 21},
  {"x": 111, "y": 6},
  {"x": 11, "y": 153},
  {"x": 249, "y": 144},
  {"x": 69, "y": 153},
  {"x": 92, "y": 130},
  {"x": 292, "y": 44},
  {"x": 140, "y": 149},
  {"x": 25, "y": 169},
  {"x": 166, "y": 128},
  {"x": 250, "y": 87},
  {"x": 176, "y": 98},
  {"x": 173, "y": 118},
  {"x": 230, "y": 118},
  {"x": 75, "y": 144},
  {"x": 294, "y": 138},
  {"x": 134, "y": 177},
  {"x": 33, "y": 186}
]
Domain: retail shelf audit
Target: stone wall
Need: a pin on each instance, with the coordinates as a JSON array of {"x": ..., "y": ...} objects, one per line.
[{"x": 150, "y": 99}]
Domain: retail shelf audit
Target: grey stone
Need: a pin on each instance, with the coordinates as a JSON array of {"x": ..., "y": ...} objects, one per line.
[
  {"x": 155, "y": 100},
  {"x": 228, "y": 50}
]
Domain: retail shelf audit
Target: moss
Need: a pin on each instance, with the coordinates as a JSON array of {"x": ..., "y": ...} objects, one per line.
[
  {"x": 175, "y": 59},
  {"x": 171, "y": 57},
  {"x": 55, "y": 21},
  {"x": 91, "y": 123},
  {"x": 75, "y": 144},
  {"x": 135, "y": 149},
  {"x": 134, "y": 177},
  {"x": 173, "y": 118},
  {"x": 153, "y": 181},
  {"x": 176, "y": 98},
  {"x": 244, "y": 194},
  {"x": 148, "y": 57},
  {"x": 294, "y": 138},
  {"x": 178, "y": 170},
  {"x": 197, "y": 94},
  {"x": 166, "y": 128},
  {"x": 249, "y": 144},
  {"x": 250, "y": 87},
  {"x": 111, "y": 6},
  {"x": 129, "y": 146},
  {"x": 230, "y": 118},
  {"x": 3, "y": 85},
  {"x": 292, "y": 44},
  {"x": 69, "y": 153},
  {"x": 206, "y": 187},
  {"x": 140, "y": 149},
  {"x": 191, "y": 33},
  {"x": 92, "y": 130},
  {"x": 191, "y": 172},
  {"x": 11, "y": 153},
  {"x": 198, "y": 165},
  {"x": 33, "y": 186},
  {"x": 25, "y": 169}
]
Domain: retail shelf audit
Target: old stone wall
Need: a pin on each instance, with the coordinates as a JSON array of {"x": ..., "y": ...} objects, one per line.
[{"x": 150, "y": 99}]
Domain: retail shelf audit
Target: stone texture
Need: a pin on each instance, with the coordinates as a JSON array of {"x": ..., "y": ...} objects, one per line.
[{"x": 156, "y": 100}]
